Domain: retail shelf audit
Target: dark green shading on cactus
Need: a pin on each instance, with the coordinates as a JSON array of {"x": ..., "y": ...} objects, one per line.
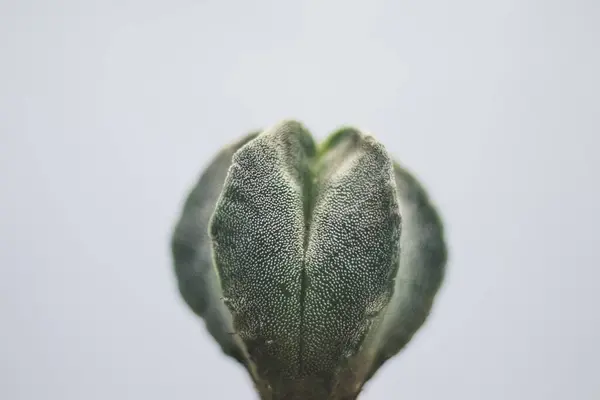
[{"x": 311, "y": 265}]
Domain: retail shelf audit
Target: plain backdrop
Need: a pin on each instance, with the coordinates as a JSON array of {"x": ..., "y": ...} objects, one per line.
[{"x": 110, "y": 109}]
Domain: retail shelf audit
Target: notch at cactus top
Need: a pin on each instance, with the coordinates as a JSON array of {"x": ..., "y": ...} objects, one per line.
[{"x": 311, "y": 265}]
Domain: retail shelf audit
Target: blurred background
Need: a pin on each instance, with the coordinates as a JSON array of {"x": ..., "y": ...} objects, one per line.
[{"x": 109, "y": 110}]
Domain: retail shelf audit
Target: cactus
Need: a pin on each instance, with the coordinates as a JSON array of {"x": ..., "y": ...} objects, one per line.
[{"x": 311, "y": 265}]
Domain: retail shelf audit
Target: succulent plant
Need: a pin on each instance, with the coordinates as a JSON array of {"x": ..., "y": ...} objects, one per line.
[{"x": 311, "y": 265}]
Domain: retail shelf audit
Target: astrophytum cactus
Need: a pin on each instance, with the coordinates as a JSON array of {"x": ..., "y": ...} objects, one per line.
[{"x": 311, "y": 265}]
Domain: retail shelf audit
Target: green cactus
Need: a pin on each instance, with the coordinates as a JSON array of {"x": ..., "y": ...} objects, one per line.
[{"x": 311, "y": 266}]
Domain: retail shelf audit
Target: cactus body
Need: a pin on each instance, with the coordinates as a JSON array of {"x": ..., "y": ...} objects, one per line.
[{"x": 311, "y": 265}]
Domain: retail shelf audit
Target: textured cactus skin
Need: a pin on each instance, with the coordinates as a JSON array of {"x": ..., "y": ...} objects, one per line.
[{"x": 310, "y": 265}]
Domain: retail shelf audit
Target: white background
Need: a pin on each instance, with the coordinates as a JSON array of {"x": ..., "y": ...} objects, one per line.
[{"x": 110, "y": 109}]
